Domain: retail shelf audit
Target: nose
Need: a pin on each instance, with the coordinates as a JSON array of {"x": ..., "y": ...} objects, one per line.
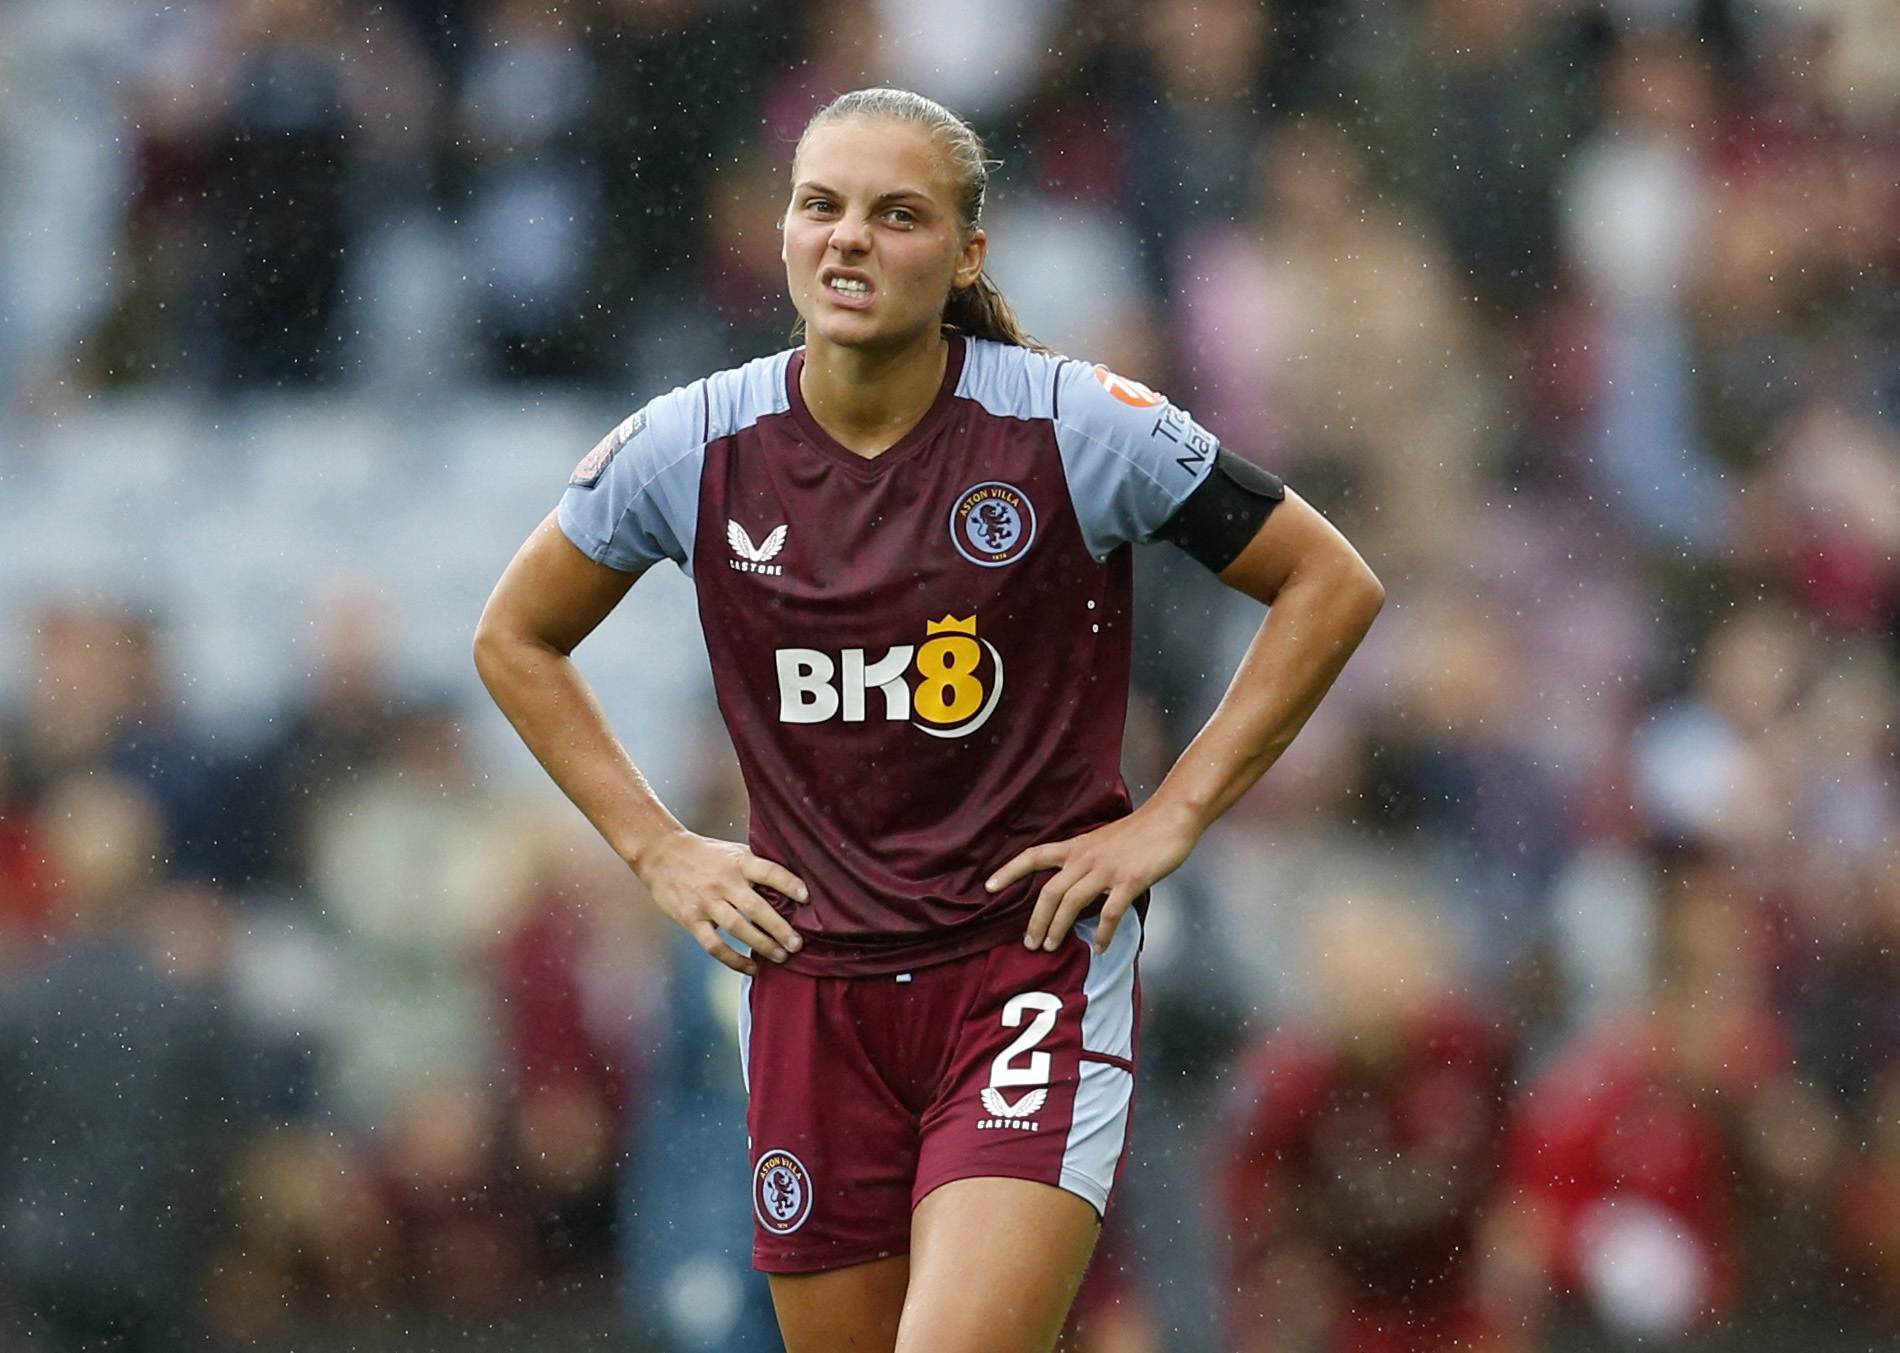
[{"x": 851, "y": 234}]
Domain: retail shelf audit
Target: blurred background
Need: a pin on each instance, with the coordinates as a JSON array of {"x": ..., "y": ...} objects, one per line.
[{"x": 1546, "y": 996}]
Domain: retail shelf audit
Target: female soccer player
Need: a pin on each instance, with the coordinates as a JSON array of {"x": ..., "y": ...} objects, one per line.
[{"x": 909, "y": 543}]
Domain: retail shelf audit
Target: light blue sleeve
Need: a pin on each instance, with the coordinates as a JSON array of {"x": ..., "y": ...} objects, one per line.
[
  {"x": 634, "y": 499},
  {"x": 1130, "y": 456}
]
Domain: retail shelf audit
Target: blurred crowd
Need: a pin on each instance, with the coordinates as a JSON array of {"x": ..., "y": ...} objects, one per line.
[{"x": 1547, "y": 995}]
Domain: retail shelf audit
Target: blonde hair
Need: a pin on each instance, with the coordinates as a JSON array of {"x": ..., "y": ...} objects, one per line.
[{"x": 979, "y": 310}]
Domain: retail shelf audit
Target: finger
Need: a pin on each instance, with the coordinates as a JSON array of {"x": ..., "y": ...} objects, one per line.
[
  {"x": 762, "y": 914},
  {"x": 1119, "y": 900},
  {"x": 738, "y": 925},
  {"x": 1049, "y": 855},
  {"x": 1044, "y": 912},
  {"x": 776, "y": 877},
  {"x": 709, "y": 941},
  {"x": 1074, "y": 902}
]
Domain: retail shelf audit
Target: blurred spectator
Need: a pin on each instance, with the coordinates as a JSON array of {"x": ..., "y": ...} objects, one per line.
[
  {"x": 685, "y": 82},
  {"x": 84, "y": 693},
  {"x": 1330, "y": 345},
  {"x": 1110, "y": 1314},
  {"x": 750, "y": 195},
  {"x": 1826, "y": 526},
  {"x": 1636, "y": 197},
  {"x": 343, "y": 729},
  {"x": 979, "y": 57},
  {"x": 100, "y": 700},
  {"x": 1637, "y": 208},
  {"x": 1359, "y": 1150},
  {"x": 26, "y": 894},
  {"x": 1706, "y": 766},
  {"x": 457, "y": 1232},
  {"x": 1041, "y": 244},
  {"x": 1466, "y": 774},
  {"x": 1466, "y": 107},
  {"x": 577, "y": 980},
  {"x": 1668, "y": 1167},
  {"x": 686, "y": 1207},
  {"x": 1849, "y": 998},
  {"x": 117, "y": 1061},
  {"x": 409, "y": 865},
  {"x": 308, "y": 1230},
  {"x": 1190, "y": 140},
  {"x": 839, "y": 43},
  {"x": 172, "y": 99},
  {"x": 276, "y": 197},
  {"x": 534, "y": 204},
  {"x": 1867, "y": 1205},
  {"x": 64, "y": 179}
]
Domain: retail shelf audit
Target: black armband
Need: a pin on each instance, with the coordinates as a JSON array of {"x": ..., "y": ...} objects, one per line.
[{"x": 1215, "y": 521}]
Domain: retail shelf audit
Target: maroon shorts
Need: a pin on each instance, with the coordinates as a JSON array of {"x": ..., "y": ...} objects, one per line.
[{"x": 869, "y": 1092}]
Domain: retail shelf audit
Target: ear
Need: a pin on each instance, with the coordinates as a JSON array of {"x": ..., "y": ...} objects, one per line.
[{"x": 970, "y": 261}]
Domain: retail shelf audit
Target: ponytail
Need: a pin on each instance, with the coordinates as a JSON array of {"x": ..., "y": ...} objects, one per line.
[{"x": 980, "y": 310}]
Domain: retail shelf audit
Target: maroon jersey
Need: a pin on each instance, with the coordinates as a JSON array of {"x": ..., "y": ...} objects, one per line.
[
  {"x": 1362, "y": 1176},
  {"x": 922, "y": 657}
]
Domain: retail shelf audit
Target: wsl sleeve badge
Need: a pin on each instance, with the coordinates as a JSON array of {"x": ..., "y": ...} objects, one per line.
[
  {"x": 594, "y": 464},
  {"x": 781, "y": 1192},
  {"x": 1132, "y": 393}
]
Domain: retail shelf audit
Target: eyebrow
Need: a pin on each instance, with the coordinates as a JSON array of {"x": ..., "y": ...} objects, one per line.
[{"x": 895, "y": 195}]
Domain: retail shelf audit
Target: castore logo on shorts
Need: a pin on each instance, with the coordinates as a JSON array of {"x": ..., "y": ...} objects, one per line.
[{"x": 944, "y": 682}]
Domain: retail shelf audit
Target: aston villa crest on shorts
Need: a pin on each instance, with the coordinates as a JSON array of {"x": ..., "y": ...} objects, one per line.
[
  {"x": 992, "y": 524},
  {"x": 781, "y": 1192}
]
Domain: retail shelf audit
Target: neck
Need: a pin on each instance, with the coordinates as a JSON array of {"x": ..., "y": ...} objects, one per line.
[{"x": 869, "y": 399}]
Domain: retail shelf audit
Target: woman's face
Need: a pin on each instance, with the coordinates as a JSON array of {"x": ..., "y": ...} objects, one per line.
[{"x": 871, "y": 239}]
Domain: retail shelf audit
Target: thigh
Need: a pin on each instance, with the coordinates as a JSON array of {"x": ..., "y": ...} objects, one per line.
[
  {"x": 994, "y": 1266},
  {"x": 854, "y": 1308}
]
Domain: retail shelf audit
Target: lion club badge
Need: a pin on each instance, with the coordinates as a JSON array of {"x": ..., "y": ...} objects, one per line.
[
  {"x": 781, "y": 1192},
  {"x": 992, "y": 524}
]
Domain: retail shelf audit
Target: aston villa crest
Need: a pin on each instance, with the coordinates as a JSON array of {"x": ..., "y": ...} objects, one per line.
[
  {"x": 993, "y": 524},
  {"x": 781, "y": 1192}
]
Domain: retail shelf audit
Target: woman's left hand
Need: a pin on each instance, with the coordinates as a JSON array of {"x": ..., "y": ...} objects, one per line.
[{"x": 1123, "y": 858}]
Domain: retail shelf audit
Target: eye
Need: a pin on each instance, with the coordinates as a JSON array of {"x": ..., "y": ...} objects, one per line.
[
  {"x": 818, "y": 204},
  {"x": 901, "y": 216}
]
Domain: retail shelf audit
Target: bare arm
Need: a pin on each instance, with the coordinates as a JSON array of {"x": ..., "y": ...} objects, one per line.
[
  {"x": 1323, "y": 599},
  {"x": 550, "y": 597}
]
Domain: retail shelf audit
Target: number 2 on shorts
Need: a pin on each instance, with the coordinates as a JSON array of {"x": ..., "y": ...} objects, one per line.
[{"x": 1004, "y": 1073}]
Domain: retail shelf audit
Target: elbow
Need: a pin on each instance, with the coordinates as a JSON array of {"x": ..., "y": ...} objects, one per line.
[
  {"x": 1357, "y": 596},
  {"x": 1369, "y": 597},
  {"x": 482, "y": 652},
  {"x": 1356, "y": 589},
  {"x": 1371, "y": 591},
  {"x": 503, "y": 652},
  {"x": 489, "y": 650}
]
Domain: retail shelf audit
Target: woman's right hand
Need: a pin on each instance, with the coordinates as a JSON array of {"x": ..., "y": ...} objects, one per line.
[{"x": 706, "y": 885}]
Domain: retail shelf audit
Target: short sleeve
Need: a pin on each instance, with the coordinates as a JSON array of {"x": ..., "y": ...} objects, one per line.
[
  {"x": 634, "y": 499},
  {"x": 1130, "y": 456}
]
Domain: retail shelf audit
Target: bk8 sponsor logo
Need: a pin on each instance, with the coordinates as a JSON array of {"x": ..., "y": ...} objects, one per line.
[{"x": 948, "y": 686}]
